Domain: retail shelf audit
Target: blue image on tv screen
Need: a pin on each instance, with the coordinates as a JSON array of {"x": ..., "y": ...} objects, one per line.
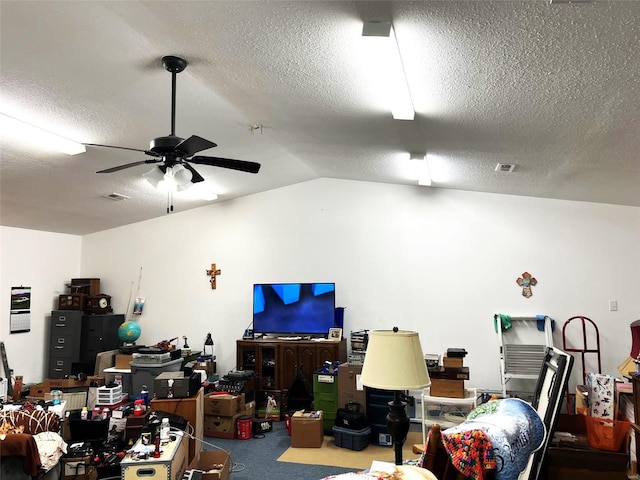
[{"x": 301, "y": 308}]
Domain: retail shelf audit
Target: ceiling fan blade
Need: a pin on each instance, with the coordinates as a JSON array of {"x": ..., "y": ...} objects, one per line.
[
  {"x": 148, "y": 152},
  {"x": 196, "y": 177},
  {"x": 242, "y": 165},
  {"x": 193, "y": 145},
  {"x": 128, "y": 165}
]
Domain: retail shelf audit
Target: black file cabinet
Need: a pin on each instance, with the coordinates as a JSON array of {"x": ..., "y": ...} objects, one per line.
[
  {"x": 377, "y": 410},
  {"x": 76, "y": 338}
]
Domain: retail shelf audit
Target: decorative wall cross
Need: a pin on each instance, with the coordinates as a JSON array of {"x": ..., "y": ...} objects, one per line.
[
  {"x": 526, "y": 282},
  {"x": 212, "y": 273}
]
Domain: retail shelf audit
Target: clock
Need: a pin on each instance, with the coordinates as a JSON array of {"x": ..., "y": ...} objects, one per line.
[
  {"x": 72, "y": 301},
  {"x": 100, "y": 303}
]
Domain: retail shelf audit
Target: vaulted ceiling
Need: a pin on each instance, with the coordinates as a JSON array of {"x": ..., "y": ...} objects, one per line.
[{"x": 552, "y": 88}]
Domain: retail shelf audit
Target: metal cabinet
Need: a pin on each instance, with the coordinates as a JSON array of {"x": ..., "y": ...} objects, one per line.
[
  {"x": 75, "y": 339},
  {"x": 64, "y": 342}
]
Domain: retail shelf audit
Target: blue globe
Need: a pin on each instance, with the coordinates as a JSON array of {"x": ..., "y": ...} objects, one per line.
[{"x": 129, "y": 331}]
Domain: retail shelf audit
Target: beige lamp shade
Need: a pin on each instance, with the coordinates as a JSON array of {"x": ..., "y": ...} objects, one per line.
[{"x": 394, "y": 361}]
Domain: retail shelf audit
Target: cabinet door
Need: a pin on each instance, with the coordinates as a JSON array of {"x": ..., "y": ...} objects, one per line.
[
  {"x": 268, "y": 369},
  {"x": 288, "y": 365},
  {"x": 247, "y": 354},
  {"x": 327, "y": 353},
  {"x": 307, "y": 358}
]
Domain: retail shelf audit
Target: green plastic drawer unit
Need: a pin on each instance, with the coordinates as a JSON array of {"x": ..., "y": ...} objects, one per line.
[{"x": 325, "y": 398}]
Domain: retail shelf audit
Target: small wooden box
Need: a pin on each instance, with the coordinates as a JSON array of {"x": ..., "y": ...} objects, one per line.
[
  {"x": 170, "y": 466},
  {"x": 452, "y": 362},
  {"x": 447, "y": 388},
  {"x": 72, "y": 301},
  {"x": 87, "y": 286}
]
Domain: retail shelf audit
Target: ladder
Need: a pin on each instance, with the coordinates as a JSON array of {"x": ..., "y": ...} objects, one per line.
[
  {"x": 522, "y": 360},
  {"x": 6, "y": 369}
]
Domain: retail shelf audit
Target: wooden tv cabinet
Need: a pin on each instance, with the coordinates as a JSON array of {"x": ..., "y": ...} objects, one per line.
[{"x": 275, "y": 362}]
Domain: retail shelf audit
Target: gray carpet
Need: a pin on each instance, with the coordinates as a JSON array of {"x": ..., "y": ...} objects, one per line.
[{"x": 256, "y": 458}]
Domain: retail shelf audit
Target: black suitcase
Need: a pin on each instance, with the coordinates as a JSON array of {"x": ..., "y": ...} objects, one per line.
[{"x": 351, "y": 417}]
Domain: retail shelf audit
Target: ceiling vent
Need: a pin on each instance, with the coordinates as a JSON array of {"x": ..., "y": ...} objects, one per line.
[
  {"x": 116, "y": 196},
  {"x": 505, "y": 167}
]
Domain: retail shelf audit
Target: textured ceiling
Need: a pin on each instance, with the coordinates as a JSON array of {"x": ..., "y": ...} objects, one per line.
[{"x": 551, "y": 88}]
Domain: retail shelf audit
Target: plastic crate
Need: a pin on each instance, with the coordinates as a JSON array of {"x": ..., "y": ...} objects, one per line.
[{"x": 352, "y": 439}]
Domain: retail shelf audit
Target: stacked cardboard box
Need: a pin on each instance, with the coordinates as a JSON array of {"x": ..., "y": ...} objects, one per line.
[
  {"x": 448, "y": 380},
  {"x": 221, "y": 413}
]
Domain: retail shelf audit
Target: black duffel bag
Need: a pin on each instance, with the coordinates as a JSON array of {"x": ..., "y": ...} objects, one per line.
[{"x": 351, "y": 417}]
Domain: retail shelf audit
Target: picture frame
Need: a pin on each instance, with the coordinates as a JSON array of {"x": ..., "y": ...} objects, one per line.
[{"x": 335, "y": 334}]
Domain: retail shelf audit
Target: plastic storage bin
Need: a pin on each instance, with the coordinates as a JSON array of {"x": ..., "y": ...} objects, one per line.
[
  {"x": 446, "y": 411},
  {"x": 145, "y": 374},
  {"x": 352, "y": 439}
]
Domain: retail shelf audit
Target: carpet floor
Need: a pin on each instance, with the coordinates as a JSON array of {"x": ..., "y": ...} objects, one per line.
[
  {"x": 270, "y": 456},
  {"x": 332, "y": 455}
]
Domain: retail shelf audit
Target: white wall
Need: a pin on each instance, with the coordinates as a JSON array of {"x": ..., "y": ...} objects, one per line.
[
  {"x": 46, "y": 262},
  {"x": 441, "y": 262}
]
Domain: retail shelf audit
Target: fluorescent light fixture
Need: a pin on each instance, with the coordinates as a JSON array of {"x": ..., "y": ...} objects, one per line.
[
  {"x": 422, "y": 168},
  {"x": 13, "y": 128},
  {"x": 382, "y": 40}
]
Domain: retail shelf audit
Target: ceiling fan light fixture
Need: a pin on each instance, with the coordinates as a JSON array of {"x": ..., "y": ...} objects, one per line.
[
  {"x": 18, "y": 129},
  {"x": 181, "y": 177},
  {"x": 154, "y": 176}
]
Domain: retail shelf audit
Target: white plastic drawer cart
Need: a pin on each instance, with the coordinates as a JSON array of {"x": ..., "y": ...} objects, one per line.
[{"x": 445, "y": 411}]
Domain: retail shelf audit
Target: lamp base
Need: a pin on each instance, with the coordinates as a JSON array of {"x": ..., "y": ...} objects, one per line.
[{"x": 398, "y": 425}]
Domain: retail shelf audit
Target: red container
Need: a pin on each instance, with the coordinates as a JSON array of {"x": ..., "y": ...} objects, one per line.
[{"x": 244, "y": 427}]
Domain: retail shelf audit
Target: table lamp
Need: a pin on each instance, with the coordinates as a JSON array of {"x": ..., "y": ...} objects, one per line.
[{"x": 394, "y": 361}]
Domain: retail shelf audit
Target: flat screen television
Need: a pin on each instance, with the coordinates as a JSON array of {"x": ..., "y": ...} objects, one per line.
[{"x": 294, "y": 308}]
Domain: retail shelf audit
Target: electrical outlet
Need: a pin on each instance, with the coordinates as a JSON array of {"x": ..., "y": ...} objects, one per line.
[{"x": 613, "y": 305}]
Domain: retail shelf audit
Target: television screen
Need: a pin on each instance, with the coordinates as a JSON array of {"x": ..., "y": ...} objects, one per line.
[{"x": 294, "y": 308}]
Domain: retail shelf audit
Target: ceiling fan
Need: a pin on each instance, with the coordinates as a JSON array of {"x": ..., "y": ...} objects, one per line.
[{"x": 172, "y": 151}]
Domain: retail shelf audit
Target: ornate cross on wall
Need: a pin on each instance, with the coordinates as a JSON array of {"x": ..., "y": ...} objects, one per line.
[
  {"x": 526, "y": 282},
  {"x": 212, "y": 273}
]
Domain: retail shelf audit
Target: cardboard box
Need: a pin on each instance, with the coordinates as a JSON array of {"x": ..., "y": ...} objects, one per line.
[
  {"x": 447, "y": 388},
  {"x": 223, "y": 405},
  {"x": 452, "y": 362},
  {"x": 215, "y": 463},
  {"x": 122, "y": 361},
  {"x": 219, "y": 426},
  {"x": 39, "y": 390},
  {"x": 350, "y": 388},
  {"x": 306, "y": 432}
]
